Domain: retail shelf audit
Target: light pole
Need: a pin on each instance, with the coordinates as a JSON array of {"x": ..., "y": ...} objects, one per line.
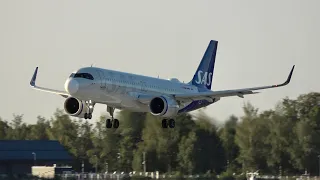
[
  {"x": 96, "y": 163},
  {"x": 107, "y": 168},
  {"x": 82, "y": 167},
  {"x": 34, "y": 158},
  {"x": 319, "y": 164},
  {"x": 144, "y": 162},
  {"x": 280, "y": 171},
  {"x": 119, "y": 162}
]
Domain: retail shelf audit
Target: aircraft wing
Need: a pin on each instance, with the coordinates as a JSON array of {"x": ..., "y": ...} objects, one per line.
[
  {"x": 33, "y": 84},
  {"x": 226, "y": 93}
]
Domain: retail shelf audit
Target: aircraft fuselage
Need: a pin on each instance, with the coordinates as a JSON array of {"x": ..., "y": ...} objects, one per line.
[{"x": 120, "y": 89}]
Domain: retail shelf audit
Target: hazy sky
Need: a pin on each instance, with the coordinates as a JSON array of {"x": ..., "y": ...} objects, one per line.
[{"x": 259, "y": 41}]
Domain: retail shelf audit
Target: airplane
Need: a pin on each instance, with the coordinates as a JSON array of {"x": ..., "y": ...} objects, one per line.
[{"x": 165, "y": 98}]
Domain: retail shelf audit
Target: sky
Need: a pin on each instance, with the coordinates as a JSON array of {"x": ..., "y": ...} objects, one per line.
[{"x": 259, "y": 41}]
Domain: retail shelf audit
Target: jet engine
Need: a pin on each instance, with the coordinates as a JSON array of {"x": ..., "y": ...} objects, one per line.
[
  {"x": 163, "y": 106},
  {"x": 75, "y": 107}
]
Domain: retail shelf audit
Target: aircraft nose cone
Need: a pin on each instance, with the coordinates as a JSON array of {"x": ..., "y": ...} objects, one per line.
[{"x": 72, "y": 86}]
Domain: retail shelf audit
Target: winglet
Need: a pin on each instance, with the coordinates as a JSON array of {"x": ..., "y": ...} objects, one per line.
[
  {"x": 34, "y": 77},
  {"x": 288, "y": 79}
]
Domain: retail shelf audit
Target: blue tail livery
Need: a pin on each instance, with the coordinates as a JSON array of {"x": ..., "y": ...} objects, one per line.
[{"x": 203, "y": 76}]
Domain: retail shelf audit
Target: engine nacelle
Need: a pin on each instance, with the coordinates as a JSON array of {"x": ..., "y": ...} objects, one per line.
[
  {"x": 163, "y": 106},
  {"x": 75, "y": 107}
]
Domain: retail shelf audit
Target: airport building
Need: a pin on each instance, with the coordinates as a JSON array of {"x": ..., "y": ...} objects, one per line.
[{"x": 18, "y": 156}]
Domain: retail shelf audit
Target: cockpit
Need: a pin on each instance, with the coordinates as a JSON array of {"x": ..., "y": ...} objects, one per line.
[{"x": 82, "y": 75}]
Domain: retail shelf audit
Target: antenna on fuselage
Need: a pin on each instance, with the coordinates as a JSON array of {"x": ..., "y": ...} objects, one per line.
[{"x": 91, "y": 65}]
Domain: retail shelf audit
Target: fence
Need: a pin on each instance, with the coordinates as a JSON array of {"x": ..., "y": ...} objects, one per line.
[{"x": 141, "y": 176}]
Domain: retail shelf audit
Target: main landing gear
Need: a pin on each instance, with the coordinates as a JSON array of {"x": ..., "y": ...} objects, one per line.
[
  {"x": 111, "y": 122},
  {"x": 90, "y": 105},
  {"x": 168, "y": 123}
]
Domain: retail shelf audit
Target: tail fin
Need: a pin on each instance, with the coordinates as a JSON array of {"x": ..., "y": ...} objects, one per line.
[{"x": 203, "y": 76}]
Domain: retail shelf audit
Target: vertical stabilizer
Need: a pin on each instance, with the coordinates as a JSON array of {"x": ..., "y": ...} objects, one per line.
[{"x": 203, "y": 76}]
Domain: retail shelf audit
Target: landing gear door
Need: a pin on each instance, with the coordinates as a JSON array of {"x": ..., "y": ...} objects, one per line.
[{"x": 102, "y": 79}]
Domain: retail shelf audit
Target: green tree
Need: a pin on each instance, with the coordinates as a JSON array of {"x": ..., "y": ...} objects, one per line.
[
  {"x": 227, "y": 135},
  {"x": 287, "y": 136},
  {"x": 83, "y": 142},
  {"x": 306, "y": 143},
  {"x": 160, "y": 144},
  {"x": 4, "y": 128},
  {"x": 105, "y": 146},
  {"x": 251, "y": 137},
  {"x": 209, "y": 155},
  {"x": 132, "y": 124},
  {"x": 39, "y": 131},
  {"x": 280, "y": 140},
  {"x": 186, "y": 153},
  {"x": 18, "y": 130},
  {"x": 65, "y": 131}
]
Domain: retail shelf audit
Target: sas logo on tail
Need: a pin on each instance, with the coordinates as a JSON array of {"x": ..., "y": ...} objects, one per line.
[{"x": 204, "y": 78}]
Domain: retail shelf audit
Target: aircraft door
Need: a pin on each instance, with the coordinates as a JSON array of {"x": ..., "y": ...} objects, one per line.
[
  {"x": 102, "y": 79},
  {"x": 143, "y": 86}
]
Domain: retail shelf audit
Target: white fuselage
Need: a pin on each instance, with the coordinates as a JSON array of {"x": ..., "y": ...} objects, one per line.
[{"x": 119, "y": 89}]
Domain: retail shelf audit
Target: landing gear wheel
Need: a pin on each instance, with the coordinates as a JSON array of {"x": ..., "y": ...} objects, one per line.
[
  {"x": 172, "y": 123},
  {"x": 108, "y": 123},
  {"x": 116, "y": 123},
  {"x": 87, "y": 115},
  {"x": 164, "y": 123}
]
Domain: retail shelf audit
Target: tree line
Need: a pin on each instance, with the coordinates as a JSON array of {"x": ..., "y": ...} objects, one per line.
[{"x": 283, "y": 140}]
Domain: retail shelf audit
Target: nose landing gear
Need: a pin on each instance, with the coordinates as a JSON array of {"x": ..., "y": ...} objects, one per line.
[
  {"x": 90, "y": 105},
  {"x": 87, "y": 115}
]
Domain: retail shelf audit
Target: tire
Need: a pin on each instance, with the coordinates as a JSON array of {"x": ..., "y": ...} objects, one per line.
[
  {"x": 172, "y": 123},
  {"x": 108, "y": 123},
  {"x": 116, "y": 123},
  {"x": 164, "y": 123}
]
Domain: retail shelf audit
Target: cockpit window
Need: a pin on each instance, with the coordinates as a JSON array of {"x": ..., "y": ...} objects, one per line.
[
  {"x": 71, "y": 75},
  {"x": 83, "y": 75}
]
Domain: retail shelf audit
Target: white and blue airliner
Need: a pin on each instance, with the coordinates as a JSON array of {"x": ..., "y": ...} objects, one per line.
[{"x": 161, "y": 97}]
